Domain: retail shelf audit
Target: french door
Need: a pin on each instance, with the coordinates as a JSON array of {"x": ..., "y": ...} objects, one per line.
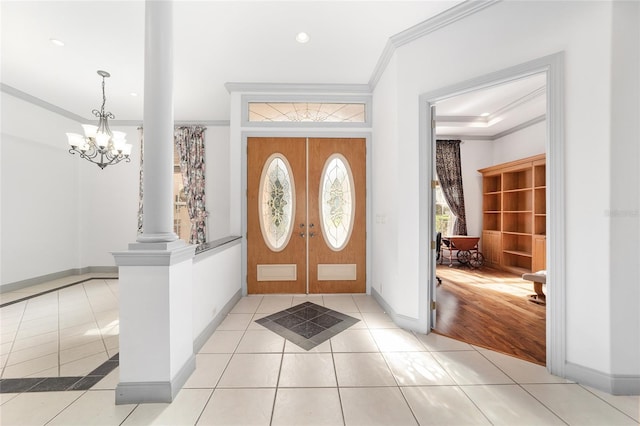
[{"x": 306, "y": 215}]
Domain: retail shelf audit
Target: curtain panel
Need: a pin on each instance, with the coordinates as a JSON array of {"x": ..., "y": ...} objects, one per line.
[
  {"x": 190, "y": 144},
  {"x": 140, "y": 190},
  {"x": 449, "y": 170}
]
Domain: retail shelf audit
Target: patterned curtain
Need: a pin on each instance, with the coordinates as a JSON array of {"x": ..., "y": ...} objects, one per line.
[
  {"x": 190, "y": 145},
  {"x": 141, "y": 192},
  {"x": 449, "y": 170}
]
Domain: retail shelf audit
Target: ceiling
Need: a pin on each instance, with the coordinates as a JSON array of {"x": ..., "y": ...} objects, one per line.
[
  {"x": 493, "y": 112},
  {"x": 216, "y": 42}
]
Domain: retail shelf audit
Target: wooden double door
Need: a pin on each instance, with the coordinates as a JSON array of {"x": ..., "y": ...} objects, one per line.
[{"x": 306, "y": 215}]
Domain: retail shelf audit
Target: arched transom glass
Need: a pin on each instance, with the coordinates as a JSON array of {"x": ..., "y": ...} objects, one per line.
[
  {"x": 276, "y": 202},
  {"x": 337, "y": 202}
]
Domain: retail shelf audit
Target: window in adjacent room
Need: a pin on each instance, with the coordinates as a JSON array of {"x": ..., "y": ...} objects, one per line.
[
  {"x": 181, "y": 221},
  {"x": 444, "y": 217}
]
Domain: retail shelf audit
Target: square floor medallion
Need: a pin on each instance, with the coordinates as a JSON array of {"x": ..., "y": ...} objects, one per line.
[{"x": 307, "y": 324}]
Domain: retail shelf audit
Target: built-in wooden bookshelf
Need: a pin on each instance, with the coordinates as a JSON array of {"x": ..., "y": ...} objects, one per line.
[{"x": 514, "y": 215}]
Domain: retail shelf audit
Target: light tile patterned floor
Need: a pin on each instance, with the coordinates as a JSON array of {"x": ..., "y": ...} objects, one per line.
[
  {"x": 372, "y": 374},
  {"x": 68, "y": 332}
]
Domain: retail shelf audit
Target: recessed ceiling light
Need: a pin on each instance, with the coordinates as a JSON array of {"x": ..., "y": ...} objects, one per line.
[
  {"x": 302, "y": 37},
  {"x": 56, "y": 41},
  {"x": 134, "y": 94},
  {"x": 485, "y": 114}
]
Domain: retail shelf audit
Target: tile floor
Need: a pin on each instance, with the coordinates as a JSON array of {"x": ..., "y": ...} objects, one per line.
[
  {"x": 370, "y": 374},
  {"x": 67, "y": 332}
]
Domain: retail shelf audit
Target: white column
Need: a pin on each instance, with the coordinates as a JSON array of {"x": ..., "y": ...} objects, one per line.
[
  {"x": 158, "y": 123},
  {"x": 155, "y": 274}
]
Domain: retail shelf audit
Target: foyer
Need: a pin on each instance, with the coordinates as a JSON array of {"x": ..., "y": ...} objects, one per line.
[{"x": 372, "y": 373}]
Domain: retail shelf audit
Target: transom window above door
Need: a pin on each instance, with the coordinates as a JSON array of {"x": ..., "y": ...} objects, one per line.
[{"x": 318, "y": 112}]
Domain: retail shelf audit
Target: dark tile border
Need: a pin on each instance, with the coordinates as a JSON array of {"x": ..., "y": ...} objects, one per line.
[
  {"x": 56, "y": 289},
  {"x": 52, "y": 384}
]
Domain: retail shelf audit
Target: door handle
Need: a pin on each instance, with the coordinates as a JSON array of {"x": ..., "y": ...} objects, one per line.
[
  {"x": 312, "y": 234},
  {"x": 302, "y": 234}
]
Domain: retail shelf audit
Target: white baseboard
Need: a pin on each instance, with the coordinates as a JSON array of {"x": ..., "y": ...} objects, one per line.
[
  {"x": 614, "y": 384},
  {"x": 202, "y": 338},
  {"x": 407, "y": 323},
  {"x": 18, "y": 285},
  {"x": 150, "y": 392}
]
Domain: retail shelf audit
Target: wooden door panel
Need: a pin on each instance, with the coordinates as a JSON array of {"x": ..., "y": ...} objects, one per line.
[
  {"x": 259, "y": 255},
  {"x": 351, "y": 259}
]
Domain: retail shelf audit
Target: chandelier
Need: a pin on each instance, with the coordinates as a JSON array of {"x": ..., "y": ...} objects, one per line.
[{"x": 99, "y": 144}]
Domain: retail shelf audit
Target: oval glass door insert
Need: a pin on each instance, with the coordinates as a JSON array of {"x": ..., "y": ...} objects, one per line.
[
  {"x": 276, "y": 203},
  {"x": 337, "y": 202}
]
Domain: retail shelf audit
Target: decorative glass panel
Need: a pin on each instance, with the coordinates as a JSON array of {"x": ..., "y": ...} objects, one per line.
[
  {"x": 307, "y": 112},
  {"x": 276, "y": 202},
  {"x": 337, "y": 202}
]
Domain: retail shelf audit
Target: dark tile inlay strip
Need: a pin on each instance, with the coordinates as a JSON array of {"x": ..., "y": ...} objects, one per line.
[
  {"x": 55, "y": 289},
  {"x": 50, "y": 384},
  {"x": 307, "y": 324}
]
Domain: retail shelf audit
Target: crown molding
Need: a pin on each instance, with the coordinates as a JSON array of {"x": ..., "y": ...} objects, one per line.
[
  {"x": 41, "y": 103},
  {"x": 521, "y": 126},
  {"x": 502, "y": 134},
  {"x": 297, "y": 88},
  {"x": 541, "y": 91},
  {"x": 466, "y": 137},
  {"x": 211, "y": 123},
  {"x": 441, "y": 20},
  {"x": 75, "y": 117}
]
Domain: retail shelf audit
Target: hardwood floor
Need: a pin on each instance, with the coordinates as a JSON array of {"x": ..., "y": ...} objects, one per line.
[{"x": 490, "y": 308}]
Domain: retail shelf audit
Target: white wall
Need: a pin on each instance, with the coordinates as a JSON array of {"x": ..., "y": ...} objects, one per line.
[
  {"x": 521, "y": 144},
  {"x": 40, "y": 193},
  {"x": 108, "y": 204},
  {"x": 385, "y": 185},
  {"x": 60, "y": 212},
  {"x": 488, "y": 41},
  {"x": 216, "y": 279},
  {"x": 625, "y": 186}
]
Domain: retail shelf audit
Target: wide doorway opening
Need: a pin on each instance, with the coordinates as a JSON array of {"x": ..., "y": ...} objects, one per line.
[{"x": 500, "y": 137}]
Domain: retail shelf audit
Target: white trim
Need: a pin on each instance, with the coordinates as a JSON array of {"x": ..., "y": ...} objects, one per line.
[
  {"x": 412, "y": 324},
  {"x": 75, "y": 117},
  {"x": 614, "y": 384},
  {"x": 345, "y": 97},
  {"x": 553, "y": 66},
  {"x": 441, "y": 20},
  {"x": 502, "y": 134},
  {"x": 296, "y": 88},
  {"x": 155, "y": 254},
  {"x": 39, "y": 102},
  {"x": 521, "y": 126},
  {"x": 149, "y": 392},
  {"x": 18, "y": 285},
  {"x": 208, "y": 331},
  {"x": 529, "y": 97}
]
